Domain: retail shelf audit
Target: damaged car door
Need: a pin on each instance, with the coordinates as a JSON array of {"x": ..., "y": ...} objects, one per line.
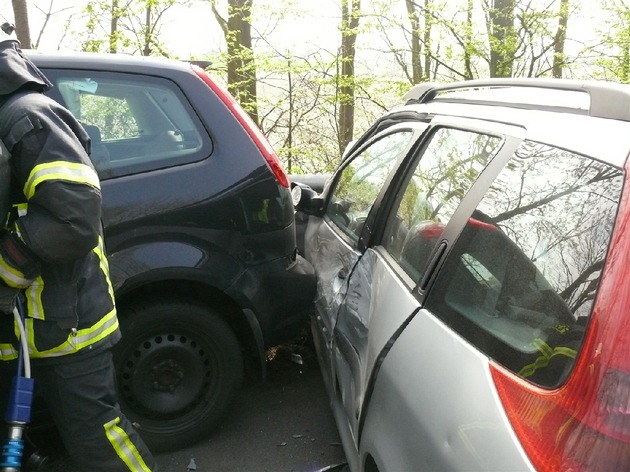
[
  {"x": 335, "y": 242},
  {"x": 384, "y": 288}
]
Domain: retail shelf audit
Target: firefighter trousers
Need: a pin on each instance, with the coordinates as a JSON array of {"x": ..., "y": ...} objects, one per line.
[{"x": 81, "y": 397}]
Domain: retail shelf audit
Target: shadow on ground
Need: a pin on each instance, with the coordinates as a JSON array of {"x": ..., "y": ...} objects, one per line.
[{"x": 284, "y": 424}]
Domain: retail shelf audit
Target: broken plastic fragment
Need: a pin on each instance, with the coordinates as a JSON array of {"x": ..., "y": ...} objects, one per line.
[{"x": 342, "y": 467}]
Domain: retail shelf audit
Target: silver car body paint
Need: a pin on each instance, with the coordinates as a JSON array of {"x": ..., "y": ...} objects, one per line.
[
  {"x": 409, "y": 393},
  {"x": 458, "y": 426},
  {"x": 362, "y": 306},
  {"x": 335, "y": 260},
  {"x": 375, "y": 300}
]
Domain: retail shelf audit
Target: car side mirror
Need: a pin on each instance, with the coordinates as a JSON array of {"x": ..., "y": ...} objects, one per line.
[{"x": 305, "y": 198}]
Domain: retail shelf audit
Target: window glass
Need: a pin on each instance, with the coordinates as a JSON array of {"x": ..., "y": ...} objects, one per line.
[
  {"x": 445, "y": 172},
  {"x": 136, "y": 123},
  {"x": 520, "y": 281},
  {"x": 362, "y": 180},
  {"x": 112, "y": 115}
]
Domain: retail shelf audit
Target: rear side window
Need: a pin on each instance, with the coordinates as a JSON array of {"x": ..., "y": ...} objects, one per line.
[
  {"x": 447, "y": 168},
  {"x": 362, "y": 180},
  {"x": 520, "y": 280},
  {"x": 136, "y": 123}
]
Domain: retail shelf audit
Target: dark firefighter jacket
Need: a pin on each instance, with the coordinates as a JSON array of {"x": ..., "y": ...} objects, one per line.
[{"x": 52, "y": 246}]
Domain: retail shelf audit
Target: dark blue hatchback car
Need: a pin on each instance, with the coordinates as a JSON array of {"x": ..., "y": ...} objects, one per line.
[{"x": 200, "y": 232}]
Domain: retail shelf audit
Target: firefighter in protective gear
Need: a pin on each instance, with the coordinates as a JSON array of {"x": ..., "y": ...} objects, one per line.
[{"x": 52, "y": 255}]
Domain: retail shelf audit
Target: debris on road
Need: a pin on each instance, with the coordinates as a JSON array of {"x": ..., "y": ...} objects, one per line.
[
  {"x": 192, "y": 465},
  {"x": 297, "y": 358}
]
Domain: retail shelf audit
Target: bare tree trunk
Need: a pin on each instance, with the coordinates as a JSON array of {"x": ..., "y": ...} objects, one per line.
[
  {"x": 428, "y": 22},
  {"x": 350, "y": 14},
  {"x": 469, "y": 39},
  {"x": 241, "y": 67},
  {"x": 502, "y": 37},
  {"x": 624, "y": 69},
  {"x": 416, "y": 66},
  {"x": 289, "y": 140},
  {"x": 22, "y": 27},
  {"x": 146, "y": 50},
  {"x": 113, "y": 29},
  {"x": 561, "y": 36}
]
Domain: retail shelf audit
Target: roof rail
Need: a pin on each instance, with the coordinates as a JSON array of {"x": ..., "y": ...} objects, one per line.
[{"x": 607, "y": 99}]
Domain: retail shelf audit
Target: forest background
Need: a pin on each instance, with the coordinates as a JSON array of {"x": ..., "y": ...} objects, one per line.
[{"x": 313, "y": 74}]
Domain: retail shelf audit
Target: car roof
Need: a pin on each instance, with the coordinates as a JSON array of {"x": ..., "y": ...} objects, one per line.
[
  {"x": 104, "y": 61},
  {"x": 555, "y": 112}
]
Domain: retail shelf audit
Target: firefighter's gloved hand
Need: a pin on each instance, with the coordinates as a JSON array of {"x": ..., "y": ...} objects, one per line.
[
  {"x": 18, "y": 259},
  {"x": 8, "y": 298}
]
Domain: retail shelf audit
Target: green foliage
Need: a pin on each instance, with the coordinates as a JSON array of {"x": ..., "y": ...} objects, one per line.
[
  {"x": 137, "y": 25},
  {"x": 296, "y": 104},
  {"x": 614, "y": 55},
  {"x": 112, "y": 116},
  {"x": 459, "y": 40},
  {"x": 299, "y": 82}
]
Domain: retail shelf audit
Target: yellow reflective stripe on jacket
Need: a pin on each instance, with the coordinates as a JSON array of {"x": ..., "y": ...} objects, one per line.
[
  {"x": 12, "y": 276},
  {"x": 60, "y": 170},
  {"x": 124, "y": 447},
  {"x": 100, "y": 253},
  {"x": 547, "y": 353},
  {"x": 33, "y": 292},
  {"x": 22, "y": 209},
  {"x": 7, "y": 352},
  {"x": 33, "y": 295},
  {"x": 107, "y": 325}
]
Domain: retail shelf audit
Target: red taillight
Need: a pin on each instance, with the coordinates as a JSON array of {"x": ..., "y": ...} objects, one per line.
[
  {"x": 585, "y": 424},
  {"x": 434, "y": 229},
  {"x": 481, "y": 225},
  {"x": 246, "y": 122},
  {"x": 431, "y": 230}
]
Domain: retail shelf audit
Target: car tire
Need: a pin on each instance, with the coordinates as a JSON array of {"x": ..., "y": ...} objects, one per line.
[{"x": 178, "y": 366}]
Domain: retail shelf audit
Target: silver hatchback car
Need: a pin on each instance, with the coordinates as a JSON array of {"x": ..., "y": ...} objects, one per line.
[{"x": 472, "y": 253}]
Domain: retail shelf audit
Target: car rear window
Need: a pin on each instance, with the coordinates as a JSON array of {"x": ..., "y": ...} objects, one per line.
[
  {"x": 520, "y": 281},
  {"x": 136, "y": 123}
]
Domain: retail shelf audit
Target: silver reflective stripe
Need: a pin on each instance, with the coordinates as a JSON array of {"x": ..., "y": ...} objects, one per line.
[
  {"x": 34, "y": 299},
  {"x": 7, "y": 352},
  {"x": 11, "y": 276},
  {"x": 60, "y": 170},
  {"x": 83, "y": 337},
  {"x": 125, "y": 449}
]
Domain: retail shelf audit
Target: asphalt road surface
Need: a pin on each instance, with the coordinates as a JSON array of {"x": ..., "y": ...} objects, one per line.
[{"x": 283, "y": 425}]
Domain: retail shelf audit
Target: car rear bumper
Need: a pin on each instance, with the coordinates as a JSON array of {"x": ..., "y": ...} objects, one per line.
[{"x": 280, "y": 293}]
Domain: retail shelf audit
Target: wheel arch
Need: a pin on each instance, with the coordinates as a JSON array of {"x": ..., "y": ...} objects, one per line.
[{"x": 243, "y": 322}]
